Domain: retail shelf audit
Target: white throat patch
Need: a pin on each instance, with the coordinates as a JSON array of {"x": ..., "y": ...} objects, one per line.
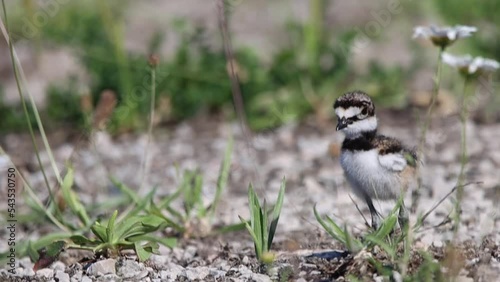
[{"x": 356, "y": 128}]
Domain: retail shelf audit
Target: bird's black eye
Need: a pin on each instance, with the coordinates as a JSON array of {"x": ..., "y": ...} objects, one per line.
[{"x": 363, "y": 114}]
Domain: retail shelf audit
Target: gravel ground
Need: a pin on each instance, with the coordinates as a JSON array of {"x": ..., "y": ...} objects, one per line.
[{"x": 306, "y": 155}]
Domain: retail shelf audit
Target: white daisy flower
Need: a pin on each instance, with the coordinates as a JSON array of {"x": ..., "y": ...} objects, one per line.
[
  {"x": 443, "y": 36},
  {"x": 467, "y": 65}
]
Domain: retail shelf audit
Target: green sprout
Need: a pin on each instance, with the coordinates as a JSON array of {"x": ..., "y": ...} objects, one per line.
[{"x": 261, "y": 227}]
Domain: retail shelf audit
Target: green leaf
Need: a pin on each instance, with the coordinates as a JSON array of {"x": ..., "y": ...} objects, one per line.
[
  {"x": 126, "y": 226},
  {"x": 167, "y": 242},
  {"x": 263, "y": 228},
  {"x": 100, "y": 232},
  {"x": 169, "y": 199},
  {"x": 110, "y": 229},
  {"x": 142, "y": 254},
  {"x": 32, "y": 252},
  {"x": 223, "y": 177},
  {"x": 256, "y": 242},
  {"x": 333, "y": 229},
  {"x": 256, "y": 215},
  {"x": 82, "y": 240},
  {"x": 43, "y": 242},
  {"x": 131, "y": 194},
  {"x": 139, "y": 225},
  {"x": 276, "y": 213},
  {"x": 72, "y": 199},
  {"x": 144, "y": 204},
  {"x": 380, "y": 242},
  {"x": 55, "y": 248},
  {"x": 170, "y": 222},
  {"x": 386, "y": 227},
  {"x": 230, "y": 228},
  {"x": 152, "y": 247}
]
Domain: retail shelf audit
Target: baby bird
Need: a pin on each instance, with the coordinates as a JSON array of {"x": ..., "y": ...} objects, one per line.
[{"x": 377, "y": 167}]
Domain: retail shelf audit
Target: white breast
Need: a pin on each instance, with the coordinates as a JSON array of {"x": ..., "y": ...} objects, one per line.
[{"x": 368, "y": 177}]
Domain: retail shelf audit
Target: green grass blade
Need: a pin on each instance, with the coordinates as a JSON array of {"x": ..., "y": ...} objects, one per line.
[
  {"x": 131, "y": 194},
  {"x": 380, "y": 242},
  {"x": 276, "y": 213},
  {"x": 198, "y": 196},
  {"x": 110, "y": 229},
  {"x": 256, "y": 242},
  {"x": 100, "y": 232},
  {"x": 386, "y": 227},
  {"x": 223, "y": 177},
  {"x": 263, "y": 228},
  {"x": 229, "y": 228},
  {"x": 336, "y": 232},
  {"x": 256, "y": 216},
  {"x": 72, "y": 199}
]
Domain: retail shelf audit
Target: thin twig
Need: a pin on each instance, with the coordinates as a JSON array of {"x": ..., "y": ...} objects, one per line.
[
  {"x": 446, "y": 196},
  {"x": 235, "y": 84},
  {"x": 18, "y": 72},
  {"x": 359, "y": 210}
]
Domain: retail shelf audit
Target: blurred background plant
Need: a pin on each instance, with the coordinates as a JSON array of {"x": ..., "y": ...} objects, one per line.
[
  {"x": 486, "y": 43},
  {"x": 302, "y": 77}
]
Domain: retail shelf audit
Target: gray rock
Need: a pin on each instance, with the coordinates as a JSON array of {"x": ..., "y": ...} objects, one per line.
[
  {"x": 159, "y": 262},
  {"x": 77, "y": 276},
  {"x": 191, "y": 274},
  {"x": 438, "y": 244},
  {"x": 85, "y": 278},
  {"x": 45, "y": 273},
  {"x": 174, "y": 270},
  {"x": 58, "y": 266},
  {"x": 256, "y": 277},
  {"x": 189, "y": 253},
  {"x": 62, "y": 276},
  {"x": 102, "y": 267},
  {"x": 26, "y": 263},
  {"x": 216, "y": 273},
  {"x": 20, "y": 271},
  {"x": 129, "y": 269}
]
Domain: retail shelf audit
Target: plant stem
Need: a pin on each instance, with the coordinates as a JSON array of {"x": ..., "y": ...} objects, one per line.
[
  {"x": 313, "y": 31},
  {"x": 25, "y": 107},
  {"x": 426, "y": 124},
  {"x": 145, "y": 170},
  {"x": 435, "y": 93},
  {"x": 463, "y": 155}
]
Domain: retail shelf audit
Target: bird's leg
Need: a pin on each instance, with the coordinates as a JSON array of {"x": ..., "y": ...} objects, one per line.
[
  {"x": 403, "y": 217},
  {"x": 375, "y": 215}
]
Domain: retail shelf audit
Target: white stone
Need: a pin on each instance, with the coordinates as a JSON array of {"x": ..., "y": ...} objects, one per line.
[
  {"x": 103, "y": 267},
  {"x": 62, "y": 276},
  {"x": 45, "y": 273}
]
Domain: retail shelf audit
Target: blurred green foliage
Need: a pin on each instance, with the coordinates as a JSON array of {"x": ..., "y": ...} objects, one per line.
[
  {"x": 304, "y": 77},
  {"x": 484, "y": 15},
  {"x": 12, "y": 117},
  {"x": 65, "y": 106}
]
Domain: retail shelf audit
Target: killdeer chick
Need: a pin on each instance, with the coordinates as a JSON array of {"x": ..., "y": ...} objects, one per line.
[{"x": 377, "y": 167}]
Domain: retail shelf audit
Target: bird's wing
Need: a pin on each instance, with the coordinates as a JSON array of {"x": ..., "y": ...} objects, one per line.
[
  {"x": 393, "y": 161},
  {"x": 393, "y": 155}
]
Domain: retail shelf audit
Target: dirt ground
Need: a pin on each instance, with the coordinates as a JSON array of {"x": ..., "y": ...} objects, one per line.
[{"x": 307, "y": 155}]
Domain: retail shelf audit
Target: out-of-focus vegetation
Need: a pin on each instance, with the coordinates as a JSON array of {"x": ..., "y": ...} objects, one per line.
[
  {"x": 483, "y": 15},
  {"x": 302, "y": 78},
  {"x": 298, "y": 81}
]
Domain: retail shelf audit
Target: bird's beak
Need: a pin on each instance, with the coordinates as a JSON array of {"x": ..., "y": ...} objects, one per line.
[{"x": 342, "y": 124}]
